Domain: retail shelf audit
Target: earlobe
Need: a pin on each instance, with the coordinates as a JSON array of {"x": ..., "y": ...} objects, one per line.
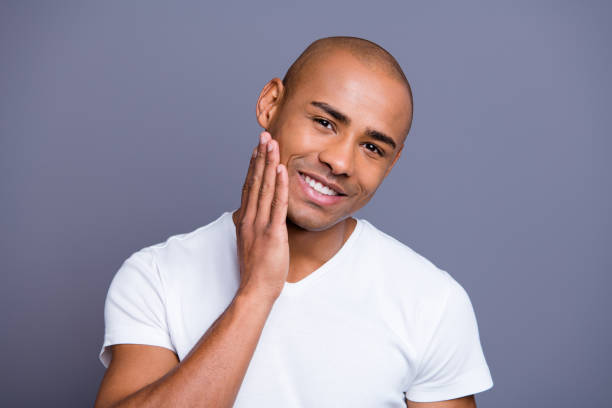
[{"x": 268, "y": 102}]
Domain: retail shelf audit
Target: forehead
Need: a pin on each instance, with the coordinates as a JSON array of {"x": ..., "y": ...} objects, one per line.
[{"x": 368, "y": 95}]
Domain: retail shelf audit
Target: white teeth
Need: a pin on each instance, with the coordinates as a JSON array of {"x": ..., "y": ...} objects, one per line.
[{"x": 319, "y": 187}]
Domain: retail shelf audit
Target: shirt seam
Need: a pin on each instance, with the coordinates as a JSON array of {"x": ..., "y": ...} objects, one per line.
[{"x": 428, "y": 389}]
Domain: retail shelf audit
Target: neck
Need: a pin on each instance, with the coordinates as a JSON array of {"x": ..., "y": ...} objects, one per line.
[{"x": 308, "y": 250}]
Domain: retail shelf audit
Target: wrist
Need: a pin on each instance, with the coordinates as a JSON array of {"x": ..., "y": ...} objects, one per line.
[{"x": 256, "y": 297}]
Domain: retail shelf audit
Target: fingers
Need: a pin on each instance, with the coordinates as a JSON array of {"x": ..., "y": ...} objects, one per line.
[
  {"x": 280, "y": 201},
  {"x": 253, "y": 182},
  {"x": 246, "y": 186},
  {"x": 266, "y": 191}
]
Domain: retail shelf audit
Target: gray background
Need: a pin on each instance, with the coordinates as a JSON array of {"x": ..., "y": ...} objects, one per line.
[{"x": 123, "y": 123}]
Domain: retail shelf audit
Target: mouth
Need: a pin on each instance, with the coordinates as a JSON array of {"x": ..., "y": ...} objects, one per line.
[{"x": 318, "y": 192}]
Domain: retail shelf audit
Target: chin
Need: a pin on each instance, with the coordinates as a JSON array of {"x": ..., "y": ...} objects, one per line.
[{"x": 309, "y": 221}]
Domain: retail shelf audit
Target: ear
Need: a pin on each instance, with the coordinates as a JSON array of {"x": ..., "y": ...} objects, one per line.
[
  {"x": 269, "y": 102},
  {"x": 397, "y": 156}
]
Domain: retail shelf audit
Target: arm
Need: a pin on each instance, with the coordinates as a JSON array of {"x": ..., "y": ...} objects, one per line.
[
  {"x": 211, "y": 374},
  {"x": 464, "y": 402}
]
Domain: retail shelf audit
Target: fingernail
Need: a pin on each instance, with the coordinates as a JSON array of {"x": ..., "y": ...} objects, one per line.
[
  {"x": 255, "y": 152},
  {"x": 270, "y": 146},
  {"x": 265, "y": 136}
]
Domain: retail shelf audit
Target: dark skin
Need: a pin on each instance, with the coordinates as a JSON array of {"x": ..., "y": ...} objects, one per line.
[
  {"x": 312, "y": 140},
  {"x": 315, "y": 139},
  {"x": 282, "y": 234}
]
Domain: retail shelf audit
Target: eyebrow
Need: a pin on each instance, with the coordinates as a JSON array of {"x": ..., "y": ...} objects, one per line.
[{"x": 341, "y": 117}]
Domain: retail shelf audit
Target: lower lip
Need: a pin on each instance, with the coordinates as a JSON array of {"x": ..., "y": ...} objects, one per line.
[{"x": 317, "y": 197}]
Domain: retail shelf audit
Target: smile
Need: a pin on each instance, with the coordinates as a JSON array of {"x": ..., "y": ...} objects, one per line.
[
  {"x": 318, "y": 192},
  {"x": 321, "y": 188}
]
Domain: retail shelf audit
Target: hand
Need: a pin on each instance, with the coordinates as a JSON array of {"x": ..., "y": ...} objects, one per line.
[{"x": 261, "y": 229}]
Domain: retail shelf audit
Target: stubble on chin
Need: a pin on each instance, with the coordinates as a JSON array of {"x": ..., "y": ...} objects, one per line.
[{"x": 306, "y": 222}]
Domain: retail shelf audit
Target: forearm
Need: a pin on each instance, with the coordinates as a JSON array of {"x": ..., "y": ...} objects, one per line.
[{"x": 211, "y": 374}]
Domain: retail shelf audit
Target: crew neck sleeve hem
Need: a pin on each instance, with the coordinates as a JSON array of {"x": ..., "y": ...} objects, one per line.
[
  {"x": 145, "y": 336},
  {"x": 471, "y": 382}
]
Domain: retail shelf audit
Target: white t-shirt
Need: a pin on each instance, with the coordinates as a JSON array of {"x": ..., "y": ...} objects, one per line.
[{"x": 377, "y": 320}]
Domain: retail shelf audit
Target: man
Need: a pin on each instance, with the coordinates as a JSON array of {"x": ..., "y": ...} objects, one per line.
[{"x": 289, "y": 301}]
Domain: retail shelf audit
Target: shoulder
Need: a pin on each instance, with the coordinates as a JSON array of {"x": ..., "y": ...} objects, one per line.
[
  {"x": 204, "y": 236},
  {"x": 419, "y": 299},
  {"x": 183, "y": 249},
  {"x": 408, "y": 269},
  {"x": 181, "y": 252}
]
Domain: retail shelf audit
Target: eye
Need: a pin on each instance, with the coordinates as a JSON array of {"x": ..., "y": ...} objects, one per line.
[
  {"x": 375, "y": 149},
  {"x": 324, "y": 123}
]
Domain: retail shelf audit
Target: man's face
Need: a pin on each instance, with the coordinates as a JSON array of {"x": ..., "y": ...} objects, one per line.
[{"x": 341, "y": 151}]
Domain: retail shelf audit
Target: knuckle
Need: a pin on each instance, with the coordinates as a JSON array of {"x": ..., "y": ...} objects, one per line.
[
  {"x": 243, "y": 226},
  {"x": 249, "y": 183},
  {"x": 265, "y": 188},
  {"x": 278, "y": 202},
  {"x": 269, "y": 159},
  {"x": 260, "y": 226}
]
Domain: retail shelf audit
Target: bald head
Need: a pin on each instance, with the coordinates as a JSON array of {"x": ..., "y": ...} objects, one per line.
[{"x": 370, "y": 54}]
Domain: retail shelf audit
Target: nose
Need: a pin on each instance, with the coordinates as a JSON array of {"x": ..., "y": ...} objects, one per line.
[{"x": 339, "y": 156}]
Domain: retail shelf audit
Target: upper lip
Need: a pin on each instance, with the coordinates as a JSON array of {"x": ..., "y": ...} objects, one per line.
[{"x": 324, "y": 181}]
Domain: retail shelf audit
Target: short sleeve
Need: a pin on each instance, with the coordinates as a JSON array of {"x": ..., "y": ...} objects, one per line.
[
  {"x": 135, "y": 310},
  {"x": 453, "y": 363}
]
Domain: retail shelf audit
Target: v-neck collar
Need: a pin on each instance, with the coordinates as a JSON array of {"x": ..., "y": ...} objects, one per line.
[{"x": 294, "y": 288}]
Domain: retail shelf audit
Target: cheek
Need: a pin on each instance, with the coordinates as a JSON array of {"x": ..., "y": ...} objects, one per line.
[
  {"x": 370, "y": 180},
  {"x": 295, "y": 144}
]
